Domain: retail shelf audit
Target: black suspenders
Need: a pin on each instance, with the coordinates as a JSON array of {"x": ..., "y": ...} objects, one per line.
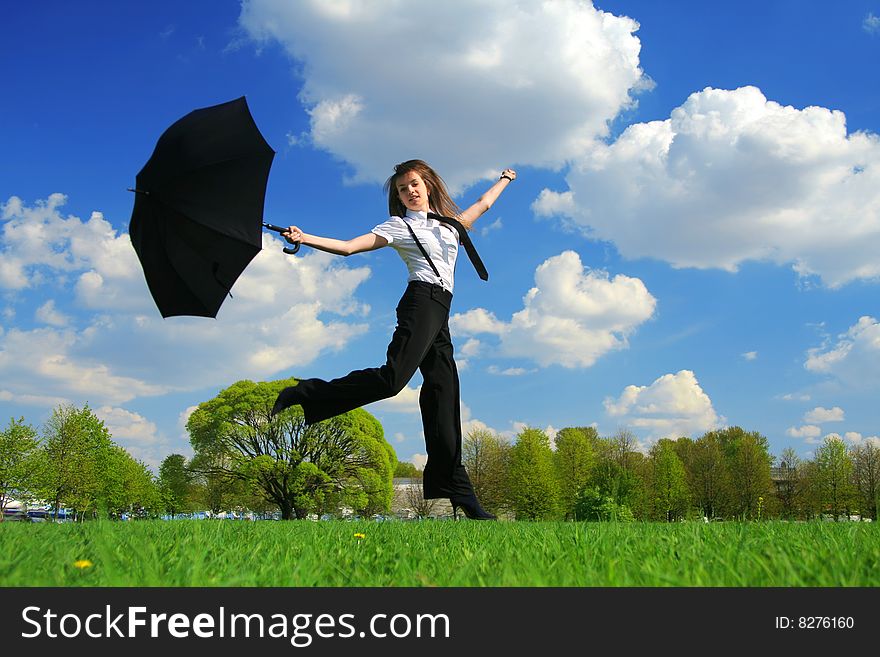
[{"x": 422, "y": 249}]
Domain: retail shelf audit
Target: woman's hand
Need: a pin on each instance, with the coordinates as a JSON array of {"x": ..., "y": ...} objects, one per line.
[{"x": 293, "y": 235}]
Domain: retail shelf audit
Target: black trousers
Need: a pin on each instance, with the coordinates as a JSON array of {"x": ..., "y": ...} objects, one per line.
[{"x": 421, "y": 341}]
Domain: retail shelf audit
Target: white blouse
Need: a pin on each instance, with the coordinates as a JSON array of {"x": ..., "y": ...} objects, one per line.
[{"x": 440, "y": 241}]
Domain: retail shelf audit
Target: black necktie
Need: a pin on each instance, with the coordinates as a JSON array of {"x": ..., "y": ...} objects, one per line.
[{"x": 466, "y": 243}]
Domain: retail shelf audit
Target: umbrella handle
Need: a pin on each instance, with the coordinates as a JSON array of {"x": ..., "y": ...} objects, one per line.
[{"x": 279, "y": 229}]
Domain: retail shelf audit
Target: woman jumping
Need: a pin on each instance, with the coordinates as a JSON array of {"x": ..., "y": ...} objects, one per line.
[{"x": 425, "y": 227}]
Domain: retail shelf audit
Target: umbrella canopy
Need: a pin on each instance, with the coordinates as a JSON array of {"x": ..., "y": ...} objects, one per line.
[{"x": 197, "y": 217}]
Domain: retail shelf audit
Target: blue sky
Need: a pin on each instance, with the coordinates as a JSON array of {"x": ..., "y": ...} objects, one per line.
[{"x": 690, "y": 244}]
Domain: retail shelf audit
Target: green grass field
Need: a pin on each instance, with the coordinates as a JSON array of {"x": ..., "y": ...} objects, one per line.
[{"x": 189, "y": 553}]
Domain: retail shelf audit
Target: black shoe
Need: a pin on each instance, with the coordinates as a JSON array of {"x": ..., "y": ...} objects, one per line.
[
  {"x": 286, "y": 398},
  {"x": 471, "y": 508}
]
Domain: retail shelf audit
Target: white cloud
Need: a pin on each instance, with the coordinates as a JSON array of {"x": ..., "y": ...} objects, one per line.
[
  {"x": 365, "y": 74},
  {"x": 122, "y": 348},
  {"x": 406, "y": 401},
  {"x": 853, "y": 437},
  {"x": 419, "y": 460},
  {"x": 854, "y": 359},
  {"x": 806, "y": 193},
  {"x": 510, "y": 371},
  {"x": 673, "y": 405},
  {"x": 820, "y": 415},
  {"x": 183, "y": 418},
  {"x": 495, "y": 225},
  {"x": 805, "y": 431},
  {"x": 49, "y": 314},
  {"x": 826, "y": 437},
  {"x": 128, "y": 427},
  {"x": 857, "y": 439},
  {"x": 472, "y": 347},
  {"x": 478, "y": 320},
  {"x": 32, "y": 399},
  {"x": 571, "y": 317},
  {"x": 750, "y": 355},
  {"x": 139, "y": 436},
  {"x": 871, "y": 24},
  {"x": 45, "y": 363},
  {"x": 470, "y": 423}
]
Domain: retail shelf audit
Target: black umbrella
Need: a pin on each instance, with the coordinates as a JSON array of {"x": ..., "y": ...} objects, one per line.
[{"x": 198, "y": 208}]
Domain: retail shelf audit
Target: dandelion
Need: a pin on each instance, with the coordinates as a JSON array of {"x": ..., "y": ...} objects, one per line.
[
  {"x": 359, "y": 536},
  {"x": 82, "y": 564}
]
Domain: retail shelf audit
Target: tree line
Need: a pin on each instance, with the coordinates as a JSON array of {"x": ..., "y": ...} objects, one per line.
[
  {"x": 73, "y": 464},
  {"x": 723, "y": 474},
  {"x": 245, "y": 459}
]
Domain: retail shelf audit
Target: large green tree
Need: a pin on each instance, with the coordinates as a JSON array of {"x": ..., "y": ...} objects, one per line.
[
  {"x": 531, "y": 479},
  {"x": 76, "y": 456},
  {"x": 18, "y": 448},
  {"x": 301, "y": 469},
  {"x": 370, "y": 488},
  {"x": 574, "y": 460}
]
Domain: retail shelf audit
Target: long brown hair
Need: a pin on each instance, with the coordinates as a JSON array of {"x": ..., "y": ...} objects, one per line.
[{"x": 439, "y": 199}]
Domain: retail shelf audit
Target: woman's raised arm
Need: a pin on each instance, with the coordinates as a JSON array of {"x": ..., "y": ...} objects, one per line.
[{"x": 475, "y": 211}]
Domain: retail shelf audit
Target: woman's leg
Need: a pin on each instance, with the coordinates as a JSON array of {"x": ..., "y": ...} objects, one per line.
[
  {"x": 419, "y": 318},
  {"x": 440, "y": 403}
]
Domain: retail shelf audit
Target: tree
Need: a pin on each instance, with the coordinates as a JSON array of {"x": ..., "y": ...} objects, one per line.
[
  {"x": 370, "y": 489},
  {"x": 749, "y": 471},
  {"x": 174, "y": 484},
  {"x": 18, "y": 448},
  {"x": 789, "y": 484},
  {"x": 746, "y": 474},
  {"x": 623, "y": 448},
  {"x": 407, "y": 470},
  {"x": 834, "y": 476},
  {"x": 625, "y": 486},
  {"x": 574, "y": 460},
  {"x": 669, "y": 482},
  {"x": 622, "y": 472},
  {"x": 414, "y": 497},
  {"x": 76, "y": 456},
  {"x": 484, "y": 455},
  {"x": 297, "y": 467},
  {"x": 595, "y": 506},
  {"x": 811, "y": 504},
  {"x": 703, "y": 461},
  {"x": 866, "y": 477},
  {"x": 532, "y": 485},
  {"x": 128, "y": 486},
  {"x": 212, "y": 485}
]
